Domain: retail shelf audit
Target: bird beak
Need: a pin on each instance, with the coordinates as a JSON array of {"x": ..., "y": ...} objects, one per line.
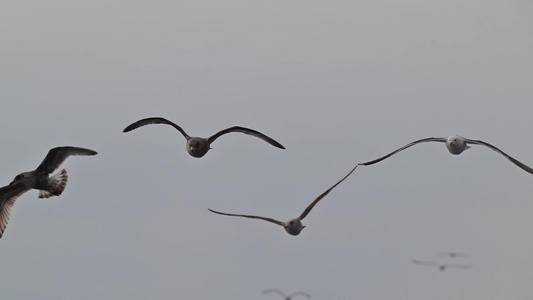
[
  {"x": 303, "y": 227},
  {"x": 451, "y": 143}
]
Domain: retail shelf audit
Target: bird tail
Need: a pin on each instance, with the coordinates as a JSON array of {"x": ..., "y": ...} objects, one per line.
[{"x": 58, "y": 184}]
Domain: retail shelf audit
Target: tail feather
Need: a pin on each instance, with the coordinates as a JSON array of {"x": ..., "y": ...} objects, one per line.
[{"x": 58, "y": 184}]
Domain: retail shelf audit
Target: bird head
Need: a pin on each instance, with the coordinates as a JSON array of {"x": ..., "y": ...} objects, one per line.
[{"x": 293, "y": 227}]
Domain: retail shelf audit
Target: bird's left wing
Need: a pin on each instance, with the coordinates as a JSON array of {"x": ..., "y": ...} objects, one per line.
[
  {"x": 245, "y": 131},
  {"x": 8, "y": 196},
  {"x": 513, "y": 160},
  {"x": 57, "y": 156},
  {"x": 247, "y": 216},
  {"x": 310, "y": 207}
]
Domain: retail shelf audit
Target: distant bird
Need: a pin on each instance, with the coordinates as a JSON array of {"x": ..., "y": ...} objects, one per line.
[
  {"x": 441, "y": 267},
  {"x": 294, "y": 226},
  {"x": 456, "y": 145},
  {"x": 197, "y": 146},
  {"x": 285, "y": 297},
  {"x": 38, "y": 179},
  {"x": 451, "y": 254}
]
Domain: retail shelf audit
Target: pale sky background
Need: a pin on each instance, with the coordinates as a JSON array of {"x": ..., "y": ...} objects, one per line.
[{"x": 335, "y": 82}]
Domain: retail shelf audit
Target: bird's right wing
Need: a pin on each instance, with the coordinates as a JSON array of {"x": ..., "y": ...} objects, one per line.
[
  {"x": 155, "y": 120},
  {"x": 431, "y": 139},
  {"x": 425, "y": 263},
  {"x": 247, "y": 216},
  {"x": 8, "y": 196},
  {"x": 275, "y": 291}
]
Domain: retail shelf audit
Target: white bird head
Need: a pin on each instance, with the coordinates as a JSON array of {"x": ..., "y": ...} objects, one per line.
[
  {"x": 293, "y": 227},
  {"x": 456, "y": 144}
]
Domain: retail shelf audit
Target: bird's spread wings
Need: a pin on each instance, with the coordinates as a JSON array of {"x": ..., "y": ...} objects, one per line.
[
  {"x": 155, "y": 120},
  {"x": 247, "y": 216},
  {"x": 8, "y": 196},
  {"x": 513, "y": 160},
  {"x": 298, "y": 294},
  {"x": 310, "y": 206},
  {"x": 57, "y": 156},
  {"x": 431, "y": 139},
  {"x": 275, "y": 291},
  {"x": 245, "y": 131},
  {"x": 425, "y": 263}
]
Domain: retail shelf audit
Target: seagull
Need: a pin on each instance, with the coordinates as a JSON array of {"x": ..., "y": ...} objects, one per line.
[
  {"x": 455, "y": 145},
  {"x": 38, "y": 179},
  {"x": 441, "y": 267},
  {"x": 285, "y": 297},
  {"x": 294, "y": 226},
  {"x": 197, "y": 146},
  {"x": 451, "y": 254}
]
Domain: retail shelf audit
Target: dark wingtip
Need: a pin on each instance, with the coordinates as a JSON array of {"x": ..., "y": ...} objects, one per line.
[{"x": 127, "y": 129}]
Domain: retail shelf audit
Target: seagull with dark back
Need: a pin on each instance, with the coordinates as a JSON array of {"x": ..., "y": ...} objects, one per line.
[
  {"x": 294, "y": 226},
  {"x": 455, "y": 145},
  {"x": 38, "y": 179},
  {"x": 285, "y": 297},
  {"x": 197, "y": 146}
]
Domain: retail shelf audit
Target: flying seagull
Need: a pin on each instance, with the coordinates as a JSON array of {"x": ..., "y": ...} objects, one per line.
[
  {"x": 197, "y": 146},
  {"x": 38, "y": 179},
  {"x": 285, "y": 297},
  {"x": 441, "y": 267},
  {"x": 451, "y": 254},
  {"x": 294, "y": 226},
  {"x": 456, "y": 145}
]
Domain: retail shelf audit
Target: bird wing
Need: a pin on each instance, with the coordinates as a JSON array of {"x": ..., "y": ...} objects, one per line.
[
  {"x": 513, "y": 160},
  {"x": 57, "y": 156},
  {"x": 155, "y": 120},
  {"x": 299, "y": 293},
  {"x": 247, "y": 216},
  {"x": 451, "y": 254},
  {"x": 275, "y": 291},
  {"x": 310, "y": 206},
  {"x": 245, "y": 131},
  {"x": 8, "y": 196},
  {"x": 425, "y": 263},
  {"x": 431, "y": 139},
  {"x": 457, "y": 266}
]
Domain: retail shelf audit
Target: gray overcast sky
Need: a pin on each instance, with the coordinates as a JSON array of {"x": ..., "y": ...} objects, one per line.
[{"x": 336, "y": 82}]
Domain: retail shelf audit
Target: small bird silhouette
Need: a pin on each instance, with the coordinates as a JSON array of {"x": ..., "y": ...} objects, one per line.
[
  {"x": 294, "y": 226},
  {"x": 197, "y": 146},
  {"x": 441, "y": 267},
  {"x": 451, "y": 254},
  {"x": 38, "y": 179},
  {"x": 455, "y": 145},
  {"x": 285, "y": 297}
]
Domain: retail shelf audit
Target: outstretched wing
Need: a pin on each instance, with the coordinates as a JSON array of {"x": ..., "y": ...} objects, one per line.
[
  {"x": 457, "y": 266},
  {"x": 432, "y": 139},
  {"x": 8, "y": 196},
  {"x": 245, "y": 131},
  {"x": 451, "y": 254},
  {"x": 513, "y": 160},
  {"x": 275, "y": 291},
  {"x": 154, "y": 120},
  {"x": 299, "y": 293},
  {"x": 57, "y": 156},
  {"x": 425, "y": 263},
  {"x": 310, "y": 206},
  {"x": 247, "y": 216}
]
